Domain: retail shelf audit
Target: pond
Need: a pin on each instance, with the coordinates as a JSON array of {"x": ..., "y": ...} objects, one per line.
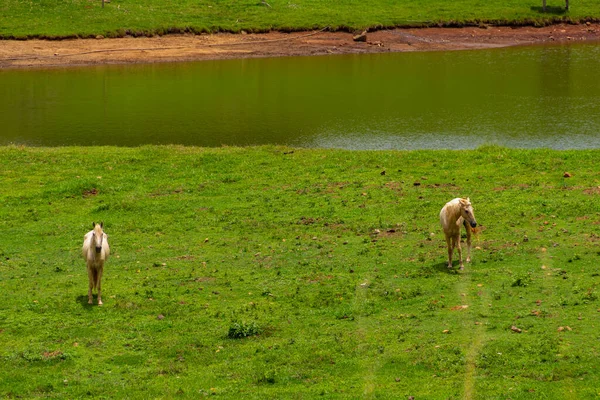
[{"x": 542, "y": 96}]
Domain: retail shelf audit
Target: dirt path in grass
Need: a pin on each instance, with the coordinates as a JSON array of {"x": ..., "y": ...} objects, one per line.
[{"x": 171, "y": 48}]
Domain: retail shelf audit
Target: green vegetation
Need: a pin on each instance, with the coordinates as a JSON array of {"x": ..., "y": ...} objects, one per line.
[
  {"x": 86, "y": 18},
  {"x": 272, "y": 272}
]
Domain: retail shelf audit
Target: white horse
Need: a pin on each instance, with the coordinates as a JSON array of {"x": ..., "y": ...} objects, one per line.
[
  {"x": 95, "y": 252},
  {"x": 455, "y": 213}
]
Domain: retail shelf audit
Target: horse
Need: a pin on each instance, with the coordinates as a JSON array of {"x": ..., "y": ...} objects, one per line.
[
  {"x": 95, "y": 251},
  {"x": 455, "y": 213}
]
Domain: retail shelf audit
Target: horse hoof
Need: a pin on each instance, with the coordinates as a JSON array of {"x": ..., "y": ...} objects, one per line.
[
  {"x": 462, "y": 267},
  {"x": 100, "y": 303},
  {"x": 90, "y": 302}
]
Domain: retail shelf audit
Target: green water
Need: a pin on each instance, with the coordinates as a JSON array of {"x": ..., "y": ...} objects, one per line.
[{"x": 518, "y": 97}]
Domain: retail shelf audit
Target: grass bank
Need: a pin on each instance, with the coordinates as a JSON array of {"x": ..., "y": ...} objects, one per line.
[
  {"x": 84, "y": 18},
  {"x": 276, "y": 273}
]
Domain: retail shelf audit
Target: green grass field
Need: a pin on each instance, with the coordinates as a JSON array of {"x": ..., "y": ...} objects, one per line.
[
  {"x": 271, "y": 272},
  {"x": 86, "y": 18}
]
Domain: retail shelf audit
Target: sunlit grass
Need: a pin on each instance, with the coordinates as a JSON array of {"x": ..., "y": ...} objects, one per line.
[
  {"x": 271, "y": 273},
  {"x": 87, "y": 18}
]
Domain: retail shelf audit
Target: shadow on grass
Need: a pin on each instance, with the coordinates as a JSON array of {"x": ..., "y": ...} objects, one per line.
[
  {"x": 83, "y": 301},
  {"x": 443, "y": 267},
  {"x": 554, "y": 10}
]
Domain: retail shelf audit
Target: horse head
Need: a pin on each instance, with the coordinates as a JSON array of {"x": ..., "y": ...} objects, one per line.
[
  {"x": 97, "y": 236},
  {"x": 466, "y": 211}
]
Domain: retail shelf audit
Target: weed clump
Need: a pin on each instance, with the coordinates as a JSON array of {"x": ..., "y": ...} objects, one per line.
[
  {"x": 241, "y": 329},
  {"x": 522, "y": 281}
]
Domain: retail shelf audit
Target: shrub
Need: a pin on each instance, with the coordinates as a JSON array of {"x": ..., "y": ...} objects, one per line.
[{"x": 241, "y": 329}]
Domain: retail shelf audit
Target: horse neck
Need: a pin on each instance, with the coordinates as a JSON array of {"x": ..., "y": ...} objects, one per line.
[{"x": 454, "y": 212}]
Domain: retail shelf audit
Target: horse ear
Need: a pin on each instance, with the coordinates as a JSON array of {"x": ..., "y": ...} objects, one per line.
[
  {"x": 468, "y": 199},
  {"x": 93, "y": 224},
  {"x": 101, "y": 224}
]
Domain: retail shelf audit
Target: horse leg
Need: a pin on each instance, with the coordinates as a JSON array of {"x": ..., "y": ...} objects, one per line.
[
  {"x": 99, "y": 284},
  {"x": 91, "y": 283},
  {"x": 468, "y": 228},
  {"x": 456, "y": 242},
  {"x": 450, "y": 250}
]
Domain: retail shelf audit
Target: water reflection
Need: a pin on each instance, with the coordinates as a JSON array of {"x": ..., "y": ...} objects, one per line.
[{"x": 518, "y": 97}]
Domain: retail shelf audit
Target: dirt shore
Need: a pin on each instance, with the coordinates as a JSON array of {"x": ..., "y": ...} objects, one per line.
[{"x": 172, "y": 48}]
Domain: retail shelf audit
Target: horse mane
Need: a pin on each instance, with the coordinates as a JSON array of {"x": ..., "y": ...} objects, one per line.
[
  {"x": 464, "y": 202},
  {"x": 453, "y": 207}
]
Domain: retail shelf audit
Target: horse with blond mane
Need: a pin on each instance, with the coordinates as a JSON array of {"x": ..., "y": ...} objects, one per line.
[
  {"x": 95, "y": 252},
  {"x": 455, "y": 213}
]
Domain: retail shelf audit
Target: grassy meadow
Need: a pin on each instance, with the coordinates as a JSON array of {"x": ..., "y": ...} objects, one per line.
[
  {"x": 272, "y": 272},
  {"x": 21, "y": 19}
]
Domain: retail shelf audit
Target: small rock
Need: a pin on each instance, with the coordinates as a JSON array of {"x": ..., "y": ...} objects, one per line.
[
  {"x": 99, "y": 37},
  {"x": 515, "y": 329},
  {"x": 446, "y": 331},
  {"x": 160, "y": 317},
  {"x": 567, "y": 175},
  {"x": 362, "y": 37}
]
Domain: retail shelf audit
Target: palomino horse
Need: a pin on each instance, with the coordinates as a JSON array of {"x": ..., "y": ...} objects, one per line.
[
  {"x": 95, "y": 251},
  {"x": 455, "y": 213}
]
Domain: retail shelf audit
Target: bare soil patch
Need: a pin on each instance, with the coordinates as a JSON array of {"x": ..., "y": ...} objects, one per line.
[{"x": 176, "y": 48}]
